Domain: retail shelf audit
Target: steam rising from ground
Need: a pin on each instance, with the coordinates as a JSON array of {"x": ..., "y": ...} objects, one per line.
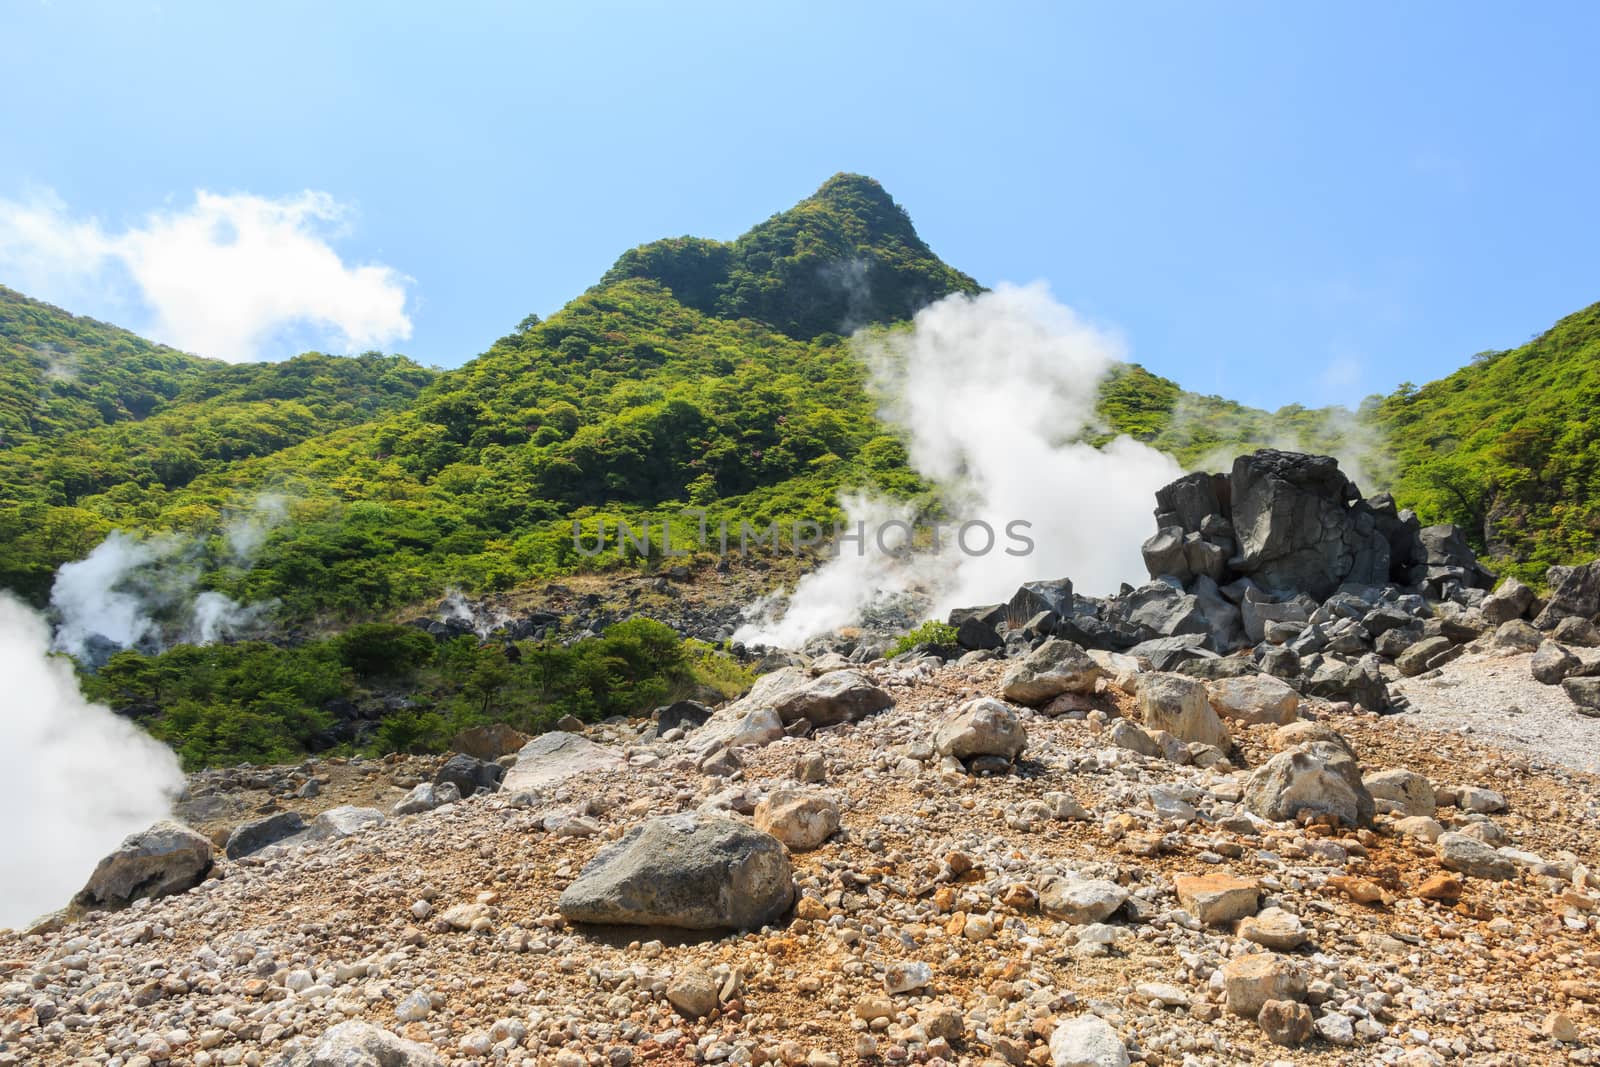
[
  {"x": 87, "y": 779},
  {"x": 995, "y": 394},
  {"x": 1363, "y": 452},
  {"x": 144, "y": 593}
]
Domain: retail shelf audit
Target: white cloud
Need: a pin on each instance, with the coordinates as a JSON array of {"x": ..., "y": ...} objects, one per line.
[{"x": 234, "y": 276}]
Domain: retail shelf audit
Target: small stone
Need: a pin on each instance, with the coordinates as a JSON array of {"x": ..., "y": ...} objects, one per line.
[
  {"x": 943, "y": 1021},
  {"x": 1401, "y": 792},
  {"x": 1087, "y": 1041},
  {"x": 1216, "y": 899},
  {"x": 1483, "y": 801},
  {"x": 903, "y": 976},
  {"x": 1552, "y": 664},
  {"x": 872, "y": 1007},
  {"x": 982, "y": 727},
  {"x": 1250, "y": 981},
  {"x": 1420, "y": 827},
  {"x": 694, "y": 993},
  {"x": 1285, "y": 1022},
  {"x": 1336, "y": 1029},
  {"x": 1081, "y": 902},
  {"x": 1254, "y": 698},
  {"x": 1440, "y": 886},
  {"x": 1558, "y": 1026},
  {"x": 1472, "y": 857},
  {"x": 414, "y": 1008},
  {"x": 1274, "y": 928},
  {"x": 811, "y": 768},
  {"x": 802, "y": 820}
]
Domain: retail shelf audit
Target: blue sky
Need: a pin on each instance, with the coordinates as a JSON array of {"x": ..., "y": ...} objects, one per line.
[{"x": 1276, "y": 202}]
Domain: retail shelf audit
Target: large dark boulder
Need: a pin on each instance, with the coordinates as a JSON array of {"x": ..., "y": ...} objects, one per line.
[
  {"x": 1157, "y": 609},
  {"x": 1189, "y": 501},
  {"x": 1033, "y": 597},
  {"x": 258, "y": 834},
  {"x": 1574, "y": 593},
  {"x": 1301, "y": 525},
  {"x": 469, "y": 774}
]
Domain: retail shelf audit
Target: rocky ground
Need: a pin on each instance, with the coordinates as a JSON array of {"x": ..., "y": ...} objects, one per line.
[
  {"x": 1496, "y": 697},
  {"x": 1085, "y": 903}
]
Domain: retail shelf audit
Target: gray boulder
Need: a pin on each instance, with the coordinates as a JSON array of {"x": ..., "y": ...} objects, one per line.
[
  {"x": 552, "y": 758},
  {"x": 1552, "y": 664},
  {"x": 1517, "y": 636},
  {"x": 1471, "y": 857},
  {"x": 1359, "y": 683},
  {"x": 258, "y": 834},
  {"x": 1164, "y": 554},
  {"x": 682, "y": 715},
  {"x": 1574, "y": 593},
  {"x": 1055, "y": 667},
  {"x": 1224, "y": 621},
  {"x": 687, "y": 871},
  {"x": 1170, "y": 653},
  {"x": 1257, "y": 610},
  {"x": 345, "y": 821},
  {"x": 833, "y": 698},
  {"x": 1575, "y": 632},
  {"x": 1032, "y": 598},
  {"x": 1180, "y": 706},
  {"x": 1158, "y": 609},
  {"x": 1584, "y": 694},
  {"x": 167, "y": 858},
  {"x": 469, "y": 774},
  {"x": 1319, "y": 778},
  {"x": 1511, "y": 600},
  {"x": 360, "y": 1044},
  {"x": 982, "y": 727},
  {"x": 975, "y": 635}
]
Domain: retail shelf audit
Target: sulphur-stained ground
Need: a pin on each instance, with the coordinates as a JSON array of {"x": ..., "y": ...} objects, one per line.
[{"x": 443, "y": 926}]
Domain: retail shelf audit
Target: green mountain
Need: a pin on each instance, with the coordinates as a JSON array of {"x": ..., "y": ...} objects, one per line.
[
  {"x": 844, "y": 257},
  {"x": 1508, "y": 447}
]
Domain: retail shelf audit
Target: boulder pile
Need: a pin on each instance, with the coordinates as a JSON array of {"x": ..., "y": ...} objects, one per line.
[{"x": 1282, "y": 560}]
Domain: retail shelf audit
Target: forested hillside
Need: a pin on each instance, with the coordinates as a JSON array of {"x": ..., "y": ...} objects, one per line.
[
  {"x": 696, "y": 374},
  {"x": 1509, "y": 447},
  {"x": 60, "y": 372}
]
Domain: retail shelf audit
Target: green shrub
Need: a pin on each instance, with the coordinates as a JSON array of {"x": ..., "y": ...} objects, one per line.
[
  {"x": 384, "y": 650},
  {"x": 932, "y": 632}
]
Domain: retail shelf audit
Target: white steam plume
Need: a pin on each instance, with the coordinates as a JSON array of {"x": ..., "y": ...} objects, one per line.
[
  {"x": 995, "y": 394},
  {"x": 1361, "y": 449},
  {"x": 145, "y": 593},
  {"x": 247, "y": 531},
  {"x": 90, "y": 778},
  {"x": 93, "y": 597}
]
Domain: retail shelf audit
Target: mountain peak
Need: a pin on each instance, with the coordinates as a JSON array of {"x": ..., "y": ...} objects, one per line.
[{"x": 844, "y": 257}]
